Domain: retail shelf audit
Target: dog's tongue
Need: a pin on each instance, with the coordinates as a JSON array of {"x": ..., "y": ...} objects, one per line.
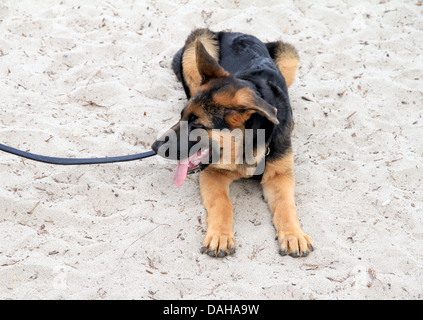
[
  {"x": 185, "y": 164},
  {"x": 181, "y": 172}
]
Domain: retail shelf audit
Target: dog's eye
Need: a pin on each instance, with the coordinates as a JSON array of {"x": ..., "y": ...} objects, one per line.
[
  {"x": 196, "y": 125},
  {"x": 192, "y": 118}
]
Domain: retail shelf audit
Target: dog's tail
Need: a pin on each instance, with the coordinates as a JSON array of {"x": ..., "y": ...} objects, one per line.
[{"x": 286, "y": 58}]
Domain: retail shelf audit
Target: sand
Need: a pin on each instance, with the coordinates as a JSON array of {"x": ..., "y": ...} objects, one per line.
[{"x": 93, "y": 78}]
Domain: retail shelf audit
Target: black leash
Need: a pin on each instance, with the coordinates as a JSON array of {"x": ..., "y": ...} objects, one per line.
[{"x": 75, "y": 161}]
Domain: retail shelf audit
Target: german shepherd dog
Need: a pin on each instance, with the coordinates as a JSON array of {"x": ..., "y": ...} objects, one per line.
[{"x": 235, "y": 82}]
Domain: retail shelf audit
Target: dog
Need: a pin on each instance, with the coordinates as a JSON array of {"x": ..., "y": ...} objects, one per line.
[{"x": 235, "y": 82}]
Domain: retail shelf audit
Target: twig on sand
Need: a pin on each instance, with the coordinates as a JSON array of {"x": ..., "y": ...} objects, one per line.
[
  {"x": 32, "y": 210},
  {"x": 162, "y": 224},
  {"x": 92, "y": 103},
  {"x": 351, "y": 115}
]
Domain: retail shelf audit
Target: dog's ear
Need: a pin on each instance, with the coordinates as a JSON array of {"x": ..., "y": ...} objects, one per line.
[
  {"x": 207, "y": 65},
  {"x": 237, "y": 117},
  {"x": 242, "y": 104},
  {"x": 265, "y": 109}
]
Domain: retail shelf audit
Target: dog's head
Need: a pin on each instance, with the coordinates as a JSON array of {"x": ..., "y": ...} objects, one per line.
[{"x": 212, "y": 126}]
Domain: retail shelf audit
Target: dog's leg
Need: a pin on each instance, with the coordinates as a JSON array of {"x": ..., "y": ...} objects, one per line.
[
  {"x": 214, "y": 188},
  {"x": 278, "y": 188}
]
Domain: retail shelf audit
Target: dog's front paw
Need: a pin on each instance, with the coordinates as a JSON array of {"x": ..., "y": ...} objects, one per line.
[
  {"x": 294, "y": 243},
  {"x": 218, "y": 244}
]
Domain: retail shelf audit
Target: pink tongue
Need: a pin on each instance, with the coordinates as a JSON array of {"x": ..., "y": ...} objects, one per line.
[
  {"x": 184, "y": 165},
  {"x": 180, "y": 173}
]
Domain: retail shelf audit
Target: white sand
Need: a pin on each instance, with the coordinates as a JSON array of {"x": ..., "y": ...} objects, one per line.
[{"x": 125, "y": 231}]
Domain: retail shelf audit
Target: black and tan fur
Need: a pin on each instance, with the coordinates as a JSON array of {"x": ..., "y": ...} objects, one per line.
[{"x": 234, "y": 80}]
